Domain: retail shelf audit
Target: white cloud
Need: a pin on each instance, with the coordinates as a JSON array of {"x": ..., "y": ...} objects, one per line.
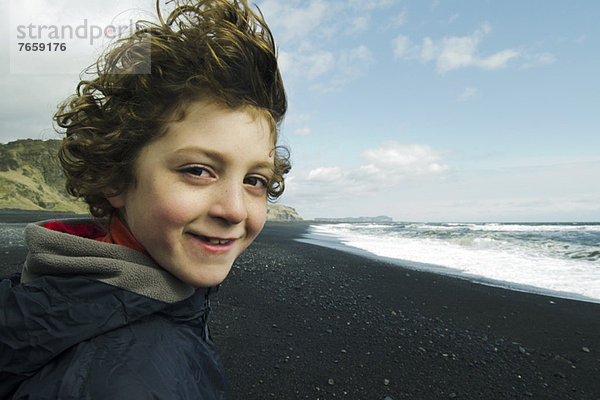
[
  {"x": 399, "y": 19},
  {"x": 382, "y": 169},
  {"x": 332, "y": 71},
  {"x": 350, "y": 65},
  {"x": 26, "y": 116},
  {"x": 308, "y": 33},
  {"x": 468, "y": 93},
  {"x": 453, "y": 18},
  {"x": 302, "y": 131},
  {"x": 455, "y": 52},
  {"x": 297, "y": 118},
  {"x": 297, "y": 122},
  {"x": 401, "y": 45},
  {"x": 294, "y": 22},
  {"x": 538, "y": 60},
  {"x": 308, "y": 66},
  {"x": 460, "y": 52},
  {"x": 325, "y": 174},
  {"x": 353, "y": 64},
  {"x": 358, "y": 25},
  {"x": 428, "y": 50},
  {"x": 402, "y": 160},
  {"x": 371, "y": 4},
  {"x": 498, "y": 60}
]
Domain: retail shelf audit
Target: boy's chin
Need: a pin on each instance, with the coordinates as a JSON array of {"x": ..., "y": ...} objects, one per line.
[{"x": 208, "y": 280}]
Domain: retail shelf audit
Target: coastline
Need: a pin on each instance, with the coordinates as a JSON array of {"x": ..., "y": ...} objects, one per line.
[{"x": 295, "y": 320}]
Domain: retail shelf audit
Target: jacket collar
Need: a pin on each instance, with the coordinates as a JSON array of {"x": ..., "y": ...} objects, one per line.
[{"x": 59, "y": 253}]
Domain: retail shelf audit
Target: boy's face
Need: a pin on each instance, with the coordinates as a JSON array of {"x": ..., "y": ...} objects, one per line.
[{"x": 201, "y": 190}]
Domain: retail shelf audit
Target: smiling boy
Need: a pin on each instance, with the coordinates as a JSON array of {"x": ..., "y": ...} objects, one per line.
[
  {"x": 200, "y": 194},
  {"x": 176, "y": 166}
]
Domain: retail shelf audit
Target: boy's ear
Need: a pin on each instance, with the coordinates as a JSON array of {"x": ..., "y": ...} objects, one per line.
[{"x": 116, "y": 199}]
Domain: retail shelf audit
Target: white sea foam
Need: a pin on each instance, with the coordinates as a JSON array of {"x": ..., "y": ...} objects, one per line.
[
  {"x": 558, "y": 258},
  {"x": 12, "y": 235}
]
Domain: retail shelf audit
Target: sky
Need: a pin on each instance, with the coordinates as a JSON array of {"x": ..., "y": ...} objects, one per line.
[{"x": 421, "y": 110}]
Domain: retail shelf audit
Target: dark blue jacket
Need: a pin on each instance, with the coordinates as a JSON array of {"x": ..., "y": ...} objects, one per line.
[{"x": 75, "y": 336}]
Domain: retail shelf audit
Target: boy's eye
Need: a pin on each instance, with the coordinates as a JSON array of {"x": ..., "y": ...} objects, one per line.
[
  {"x": 196, "y": 171},
  {"x": 255, "y": 181}
]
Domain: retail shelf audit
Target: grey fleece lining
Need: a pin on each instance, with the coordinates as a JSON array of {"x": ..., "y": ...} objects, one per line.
[{"x": 58, "y": 253}]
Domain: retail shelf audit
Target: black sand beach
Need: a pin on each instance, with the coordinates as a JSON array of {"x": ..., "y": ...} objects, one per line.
[{"x": 297, "y": 321}]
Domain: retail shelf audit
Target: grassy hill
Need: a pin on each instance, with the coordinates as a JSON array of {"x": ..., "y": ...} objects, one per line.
[{"x": 31, "y": 177}]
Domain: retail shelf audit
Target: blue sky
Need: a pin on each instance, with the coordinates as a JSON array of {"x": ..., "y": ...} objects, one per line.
[{"x": 420, "y": 110}]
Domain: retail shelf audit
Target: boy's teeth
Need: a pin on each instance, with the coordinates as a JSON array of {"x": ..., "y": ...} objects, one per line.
[{"x": 217, "y": 241}]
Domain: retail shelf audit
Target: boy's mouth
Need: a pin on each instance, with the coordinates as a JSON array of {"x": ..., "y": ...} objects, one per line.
[
  {"x": 215, "y": 245},
  {"x": 212, "y": 240}
]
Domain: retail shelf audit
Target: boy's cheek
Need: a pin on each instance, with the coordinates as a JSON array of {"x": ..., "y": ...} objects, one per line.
[
  {"x": 171, "y": 214},
  {"x": 262, "y": 215},
  {"x": 175, "y": 207},
  {"x": 257, "y": 216}
]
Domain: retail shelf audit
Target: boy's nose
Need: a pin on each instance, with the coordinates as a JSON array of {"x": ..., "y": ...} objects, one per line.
[{"x": 229, "y": 204}]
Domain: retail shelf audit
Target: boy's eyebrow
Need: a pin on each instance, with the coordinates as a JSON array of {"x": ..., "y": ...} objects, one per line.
[{"x": 219, "y": 157}]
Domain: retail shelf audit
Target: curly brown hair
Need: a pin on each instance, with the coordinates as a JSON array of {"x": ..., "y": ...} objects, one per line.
[{"x": 216, "y": 49}]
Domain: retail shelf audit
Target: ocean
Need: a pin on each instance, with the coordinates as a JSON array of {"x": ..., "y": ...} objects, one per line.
[{"x": 558, "y": 259}]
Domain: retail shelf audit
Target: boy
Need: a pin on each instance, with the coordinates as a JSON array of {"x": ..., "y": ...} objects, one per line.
[{"x": 176, "y": 166}]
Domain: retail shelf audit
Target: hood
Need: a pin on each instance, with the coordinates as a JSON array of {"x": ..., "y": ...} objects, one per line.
[{"x": 58, "y": 253}]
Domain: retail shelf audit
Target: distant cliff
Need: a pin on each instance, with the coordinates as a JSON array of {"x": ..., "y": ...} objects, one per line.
[
  {"x": 31, "y": 179},
  {"x": 278, "y": 212}
]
